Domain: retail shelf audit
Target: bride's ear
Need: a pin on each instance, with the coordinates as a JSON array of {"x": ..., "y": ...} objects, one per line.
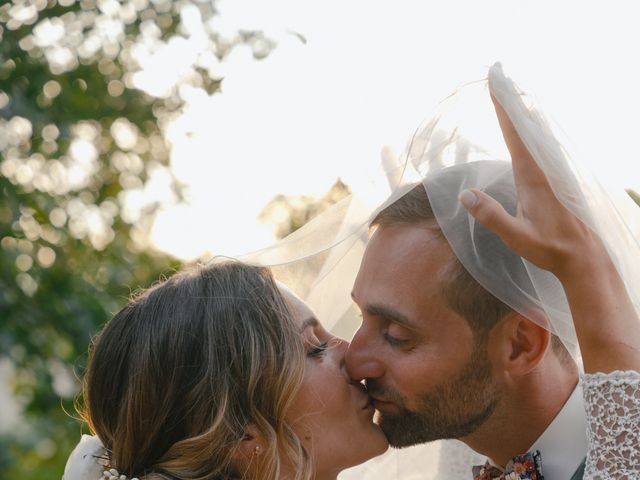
[{"x": 251, "y": 446}]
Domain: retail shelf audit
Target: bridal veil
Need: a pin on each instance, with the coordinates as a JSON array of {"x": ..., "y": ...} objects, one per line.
[{"x": 460, "y": 147}]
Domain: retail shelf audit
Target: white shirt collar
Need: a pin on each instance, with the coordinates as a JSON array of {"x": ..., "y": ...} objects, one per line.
[{"x": 563, "y": 444}]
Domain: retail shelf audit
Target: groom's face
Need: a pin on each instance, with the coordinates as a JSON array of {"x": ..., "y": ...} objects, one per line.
[{"x": 427, "y": 371}]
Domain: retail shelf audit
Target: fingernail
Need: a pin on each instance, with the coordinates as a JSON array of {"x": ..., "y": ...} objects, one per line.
[{"x": 468, "y": 198}]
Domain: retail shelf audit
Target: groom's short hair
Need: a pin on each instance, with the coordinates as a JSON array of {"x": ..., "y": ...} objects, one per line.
[{"x": 460, "y": 291}]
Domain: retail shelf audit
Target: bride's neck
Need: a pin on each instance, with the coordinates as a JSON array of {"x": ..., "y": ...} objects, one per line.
[{"x": 290, "y": 475}]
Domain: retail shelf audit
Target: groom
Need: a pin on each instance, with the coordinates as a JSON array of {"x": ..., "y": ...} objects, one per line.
[{"x": 443, "y": 358}]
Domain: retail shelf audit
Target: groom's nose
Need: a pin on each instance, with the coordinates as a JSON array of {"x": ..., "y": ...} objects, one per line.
[{"x": 361, "y": 359}]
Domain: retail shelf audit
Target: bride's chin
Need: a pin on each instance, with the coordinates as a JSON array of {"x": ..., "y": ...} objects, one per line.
[
  {"x": 384, "y": 446},
  {"x": 372, "y": 445},
  {"x": 379, "y": 442},
  {"x": 384, "y": 443}
]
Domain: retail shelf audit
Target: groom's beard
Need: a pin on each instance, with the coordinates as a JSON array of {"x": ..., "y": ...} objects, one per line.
[{"x": 453, "y": 409}]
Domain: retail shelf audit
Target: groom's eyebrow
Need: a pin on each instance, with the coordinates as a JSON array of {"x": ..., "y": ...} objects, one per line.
[{"x": 389, "y": 313}]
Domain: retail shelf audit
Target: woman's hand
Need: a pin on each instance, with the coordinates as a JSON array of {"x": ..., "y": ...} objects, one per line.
[
  {"x": 543, "y": 230},
  {"x": 550, "y": 236}
]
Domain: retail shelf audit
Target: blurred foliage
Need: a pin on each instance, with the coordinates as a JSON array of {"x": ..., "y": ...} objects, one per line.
[
  {"x": 86, "y": 92},
  {"x": 288, "y": 213}
]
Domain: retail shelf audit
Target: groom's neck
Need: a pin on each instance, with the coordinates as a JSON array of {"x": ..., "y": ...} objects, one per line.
[{"x": 526, "y": 409}]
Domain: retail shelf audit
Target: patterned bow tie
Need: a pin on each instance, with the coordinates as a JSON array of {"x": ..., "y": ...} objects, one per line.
[{"x": 522, "y": 467}]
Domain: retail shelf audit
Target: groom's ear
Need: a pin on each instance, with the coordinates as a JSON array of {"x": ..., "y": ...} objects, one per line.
[{"x": 518, "y": 344}]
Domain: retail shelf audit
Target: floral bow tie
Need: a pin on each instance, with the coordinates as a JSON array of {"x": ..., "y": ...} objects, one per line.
[{"x": 522, "y": 467}]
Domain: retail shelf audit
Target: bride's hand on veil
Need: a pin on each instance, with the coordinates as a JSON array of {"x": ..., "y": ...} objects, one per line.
[
  {"x": 543, "y": 230},
  {"x": 550, "y": 236}
]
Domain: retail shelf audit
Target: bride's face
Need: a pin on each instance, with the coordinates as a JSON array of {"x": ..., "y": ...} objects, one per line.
[{"x": 331, "y": 414}]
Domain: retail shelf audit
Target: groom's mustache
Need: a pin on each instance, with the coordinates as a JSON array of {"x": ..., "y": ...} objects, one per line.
[{"x": 379, "y": 392}]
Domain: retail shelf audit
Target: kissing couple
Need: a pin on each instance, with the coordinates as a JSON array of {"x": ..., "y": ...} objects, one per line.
[{"x": 499, "y": 306}]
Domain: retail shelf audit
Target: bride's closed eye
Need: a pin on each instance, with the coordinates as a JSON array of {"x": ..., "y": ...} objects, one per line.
[{"x": 315, "y": 350}]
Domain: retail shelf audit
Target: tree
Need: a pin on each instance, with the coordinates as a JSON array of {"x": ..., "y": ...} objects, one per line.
[
  {"x": 82, "y": 118},
  {"x": 287, "y": 214}
]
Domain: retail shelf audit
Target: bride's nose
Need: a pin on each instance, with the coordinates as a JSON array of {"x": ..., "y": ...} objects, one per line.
[{"x": 339, "y": 347}]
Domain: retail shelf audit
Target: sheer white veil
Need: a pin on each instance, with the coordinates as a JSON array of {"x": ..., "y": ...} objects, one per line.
[{"x": 460, "y": 147}]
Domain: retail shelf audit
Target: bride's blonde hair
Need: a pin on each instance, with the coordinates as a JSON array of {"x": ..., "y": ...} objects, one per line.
[{"x": 177, "y": 375}]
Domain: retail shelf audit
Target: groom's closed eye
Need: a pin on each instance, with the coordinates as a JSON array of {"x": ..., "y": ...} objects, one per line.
[
  {"x": 390, "y": 315},
  {"x": 394, "y": 341},
  {"x": 397, "y": 335},
  {"x": 396, "y": 328}
]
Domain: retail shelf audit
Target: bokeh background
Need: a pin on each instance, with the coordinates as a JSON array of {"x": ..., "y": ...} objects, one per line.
[{"x": 137, "y": 135}]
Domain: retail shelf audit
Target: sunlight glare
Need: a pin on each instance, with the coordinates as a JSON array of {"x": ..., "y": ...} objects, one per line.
[{"x": 322, "y": 104}]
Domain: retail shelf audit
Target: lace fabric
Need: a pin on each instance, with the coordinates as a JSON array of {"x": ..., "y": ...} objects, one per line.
[{"x": 612, "y": 403}]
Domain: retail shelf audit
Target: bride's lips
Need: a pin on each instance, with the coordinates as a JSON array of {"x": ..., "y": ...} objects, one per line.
[{"x": 367, "y": 400}]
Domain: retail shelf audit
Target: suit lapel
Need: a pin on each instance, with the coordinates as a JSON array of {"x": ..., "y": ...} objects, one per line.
[{"x": 579, "y": 472}]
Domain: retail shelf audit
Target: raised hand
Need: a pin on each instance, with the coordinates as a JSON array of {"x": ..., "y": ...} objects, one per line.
[
  {"x": 550, "y": 236},
  {"x": 543, "y": 231}
]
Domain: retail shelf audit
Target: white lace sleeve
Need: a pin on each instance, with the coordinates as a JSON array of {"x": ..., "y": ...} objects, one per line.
[{"x": 612, "y": 402}]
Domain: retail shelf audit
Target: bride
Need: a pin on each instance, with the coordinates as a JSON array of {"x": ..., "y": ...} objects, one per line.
[{"x": 221, "y": 373}]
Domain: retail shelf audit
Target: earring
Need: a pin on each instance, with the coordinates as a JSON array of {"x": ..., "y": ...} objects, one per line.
[{"x": 256, "y": 450}]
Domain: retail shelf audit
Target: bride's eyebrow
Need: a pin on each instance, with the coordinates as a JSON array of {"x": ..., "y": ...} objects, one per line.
[{"x": 309, "y": 322}]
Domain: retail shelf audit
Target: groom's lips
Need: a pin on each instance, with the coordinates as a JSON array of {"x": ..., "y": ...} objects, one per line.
[
  {"x": 368, "y": 405},
  {"x": 382, "y": 404}
]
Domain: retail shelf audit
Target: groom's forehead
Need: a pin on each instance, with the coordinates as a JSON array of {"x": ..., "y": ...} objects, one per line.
[
  {"x": 404, "y": 265},
  {"x": 398, "y": 252}
]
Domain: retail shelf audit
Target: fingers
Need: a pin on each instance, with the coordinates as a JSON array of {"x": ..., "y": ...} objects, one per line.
[
  {"x": 492, "y": 215},
  {"x": 525, "y": 168},
  {"x": 516, "y": 147}
]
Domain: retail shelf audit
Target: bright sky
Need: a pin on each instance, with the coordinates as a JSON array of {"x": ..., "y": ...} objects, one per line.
[{"x": 369, "y": 73}]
